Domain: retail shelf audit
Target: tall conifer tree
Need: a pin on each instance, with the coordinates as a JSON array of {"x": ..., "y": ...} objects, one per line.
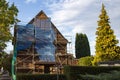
[
  {"x": 82, "y": 47},
  {"x": 106, "y": 43},
  {"x": 77, "y": 46}
]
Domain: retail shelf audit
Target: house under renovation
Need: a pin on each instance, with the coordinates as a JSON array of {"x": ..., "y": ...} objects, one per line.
[{"x": 40, "y": 47}]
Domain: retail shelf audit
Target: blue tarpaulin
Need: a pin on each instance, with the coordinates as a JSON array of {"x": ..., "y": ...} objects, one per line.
[{"x": 41, "y": 35}]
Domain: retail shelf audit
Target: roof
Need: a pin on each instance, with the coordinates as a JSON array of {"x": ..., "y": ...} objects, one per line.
[
  {"x": 41, "y": 14},
  {"x": 110, "y": 62}
]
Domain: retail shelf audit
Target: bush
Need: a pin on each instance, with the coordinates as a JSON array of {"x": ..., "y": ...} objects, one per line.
[
  {"x": 73, "y": 72},
  {"x": 113, "y": 75},
  {"x": 85, "y": 61},
  {"x": 7, "y": 63},
  {"x": 40, "y": 77}
]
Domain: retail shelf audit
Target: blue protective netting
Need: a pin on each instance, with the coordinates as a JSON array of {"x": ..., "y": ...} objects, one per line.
[{"x": 41, "y": 35}]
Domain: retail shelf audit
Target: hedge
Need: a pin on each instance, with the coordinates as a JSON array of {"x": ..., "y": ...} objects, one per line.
[
  {"x": 70, "y": 73},
  {"x": 40, "y": 77},
  {"x": 73, "y": 72},
  {"x": 113, "y": 75}
]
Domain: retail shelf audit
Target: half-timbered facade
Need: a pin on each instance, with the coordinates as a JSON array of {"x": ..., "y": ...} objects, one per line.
[{"x": 40, "y": 46}]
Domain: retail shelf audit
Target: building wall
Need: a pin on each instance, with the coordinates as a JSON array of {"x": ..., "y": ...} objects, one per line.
[{"x": 32, "y": 55}]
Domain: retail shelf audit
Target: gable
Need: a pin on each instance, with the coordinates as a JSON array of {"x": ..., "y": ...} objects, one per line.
[{"x": 42, "y": 16}]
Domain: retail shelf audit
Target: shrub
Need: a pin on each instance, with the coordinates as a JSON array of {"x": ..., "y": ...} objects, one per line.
[
  {"x": 7, "y": 63},
  {"x": 85, "y": 61},
  {"x": 74, "y": 72},
  {"x": 113, "y": 75},
  {"x": 40, "y": 77}
]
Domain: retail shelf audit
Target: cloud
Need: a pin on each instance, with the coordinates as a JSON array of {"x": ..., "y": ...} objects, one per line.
[
  {"x": 9, "y": 48},
  {"x": 70, "y": 18},
  {"x": 7, "y": 0},
  {"x": 30, "y": 1},
  {"x": 68, "y": 9},
  {"x": 81, "y": 16},
  {"x": 68, "y": 13}
]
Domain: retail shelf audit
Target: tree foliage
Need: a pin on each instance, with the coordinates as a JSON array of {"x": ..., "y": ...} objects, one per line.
[
  {"x": 85, "y": 61},
  {"x": 7, "y": 62},
  {"x": 106, "y": 43},
  {"x": 8, "y": 15},
  {"x": 82, "y": 47}
]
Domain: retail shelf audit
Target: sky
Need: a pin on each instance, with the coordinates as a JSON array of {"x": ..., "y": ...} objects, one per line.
[{"x": 71, "y": 16}]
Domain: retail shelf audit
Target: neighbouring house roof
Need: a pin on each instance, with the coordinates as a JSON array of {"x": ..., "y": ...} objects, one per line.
[{"x": 110, "y": 62}]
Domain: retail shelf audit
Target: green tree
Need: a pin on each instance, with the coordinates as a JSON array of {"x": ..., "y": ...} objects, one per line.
[
  {"x": 85, "y": 61},
  {"x": 7, "y": 62},
  {"x": 8, "y": 18},
  {"x": 77, "y": 45},
  {"x": 82, "y": 47},
  {"x": 106, "y": 43}
]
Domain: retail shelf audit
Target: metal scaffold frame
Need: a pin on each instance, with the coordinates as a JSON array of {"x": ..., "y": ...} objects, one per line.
[{"x": 39, "y": 47}]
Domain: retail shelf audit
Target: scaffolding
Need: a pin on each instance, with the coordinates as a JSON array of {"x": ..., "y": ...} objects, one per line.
[
  {"x": 34, "y": 42},
  {"x": 69, "y": 44},
  {"x": 40, "y": 47}
]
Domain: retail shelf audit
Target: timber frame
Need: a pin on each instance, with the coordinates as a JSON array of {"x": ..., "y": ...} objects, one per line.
[{"x": 28, "y": 61}]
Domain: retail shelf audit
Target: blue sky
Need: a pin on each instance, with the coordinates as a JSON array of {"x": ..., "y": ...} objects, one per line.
[{"x": 71, "y": 16}]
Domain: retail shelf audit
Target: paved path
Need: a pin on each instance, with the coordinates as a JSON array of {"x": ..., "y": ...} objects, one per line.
[{"x": 5, "y": 76}]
